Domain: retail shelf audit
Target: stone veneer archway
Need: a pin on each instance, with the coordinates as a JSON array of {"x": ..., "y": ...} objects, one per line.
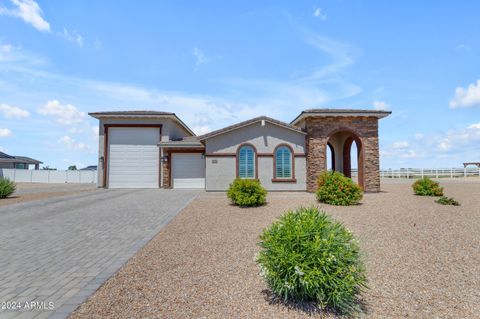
[
  {"x": 340, "y": 143},
  {"x": 363, "y": 129}
]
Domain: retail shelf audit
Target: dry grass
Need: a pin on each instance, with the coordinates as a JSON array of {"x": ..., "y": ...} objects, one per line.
[{"x": 423, "y": 259}]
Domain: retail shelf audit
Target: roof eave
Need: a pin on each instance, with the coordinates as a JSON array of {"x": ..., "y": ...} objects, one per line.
[
  {"x": 220, "y": 132},
  {"x": 305, "y": 114},
  {"x": 99, "y": 115}
]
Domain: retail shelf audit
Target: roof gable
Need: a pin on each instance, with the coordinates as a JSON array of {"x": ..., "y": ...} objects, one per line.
[{"x": 247, "y": 123}]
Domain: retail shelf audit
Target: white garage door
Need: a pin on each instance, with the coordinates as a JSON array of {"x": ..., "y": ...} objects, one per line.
[
  {"x": 188, "y": 170},
  {"x": 133, "y": 157}
]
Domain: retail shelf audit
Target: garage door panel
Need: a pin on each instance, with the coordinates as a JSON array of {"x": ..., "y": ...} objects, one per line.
[
  {"x": 188, "y": 170},
  {"x": 133, "y": 158}
]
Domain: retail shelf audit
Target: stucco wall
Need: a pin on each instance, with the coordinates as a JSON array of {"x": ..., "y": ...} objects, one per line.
[
  {"x": 221, "y": 169},
  {"x": 7, "y": 165},
  {"x": 170, "y": 130},
  {"x": 264, "y": 138},
  {"x": 220, "y": 174}
]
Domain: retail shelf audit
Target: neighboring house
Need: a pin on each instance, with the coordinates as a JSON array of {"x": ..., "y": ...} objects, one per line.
[
  {"x": 89, "y": 168},
  {"x": 148, "y": 149},
  {"x": 19, "y": 162}
]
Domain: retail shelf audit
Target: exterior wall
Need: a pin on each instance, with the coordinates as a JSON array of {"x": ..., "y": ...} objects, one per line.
[
  {"x": 219, "y": 175},
  {"x": 319, "y": 130},
  {"x": 7, "y": 165},
  {"x": 264, "y": 138},
  {"x": 170, "y": 130},
  {"x": 265, "y": 174},
  {"x": 221, "y": 151}
]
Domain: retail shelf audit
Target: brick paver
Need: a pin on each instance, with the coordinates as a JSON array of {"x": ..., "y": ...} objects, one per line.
[{"x": 61, "y": 250}]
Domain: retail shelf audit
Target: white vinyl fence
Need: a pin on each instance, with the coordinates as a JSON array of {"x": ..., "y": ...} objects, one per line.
[
  {"x": 48, "y": 176},
  {"x": 430, "y": 172}
]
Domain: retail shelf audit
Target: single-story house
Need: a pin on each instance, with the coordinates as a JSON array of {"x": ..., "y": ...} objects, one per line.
[
  {"x": 150, "y": 149},
  {"x": 18, "y": 162}
]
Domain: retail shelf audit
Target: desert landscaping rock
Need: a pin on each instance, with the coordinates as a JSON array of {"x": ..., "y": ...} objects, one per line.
[
  {"x": 423, "y": 259},
  {"x": 27, "y": 192}
]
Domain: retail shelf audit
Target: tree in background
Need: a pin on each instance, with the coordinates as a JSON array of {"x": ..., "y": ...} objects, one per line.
[{"x": 72, "y": 168}]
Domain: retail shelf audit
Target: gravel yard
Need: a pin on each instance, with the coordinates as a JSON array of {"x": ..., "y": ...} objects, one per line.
[
  {"x": 34, "y": 191},
  {"x": 422, "y": 258}
]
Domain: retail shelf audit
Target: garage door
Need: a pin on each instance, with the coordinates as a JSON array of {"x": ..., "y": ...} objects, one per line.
[
  {"x": 188, "y": 170},
  {"x": 133, "y": 157}
]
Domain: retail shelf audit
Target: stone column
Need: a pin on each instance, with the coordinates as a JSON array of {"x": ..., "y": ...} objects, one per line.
[
  {"x": 371, "y": 164},
  {"x": 316, "y": 160}
]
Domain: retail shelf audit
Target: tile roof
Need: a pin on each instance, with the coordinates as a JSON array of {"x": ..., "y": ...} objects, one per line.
[
  {"x": 21, "y": 159},
  {"x": 340, "y": 112}
]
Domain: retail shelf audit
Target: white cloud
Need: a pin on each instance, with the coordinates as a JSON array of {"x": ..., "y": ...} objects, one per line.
[
  {"x": 418, "y": 136},
  {"x": 29, "y": 11},
  {"x": 63, "y": 114},
  {"x": 463, "y": 47},
  {"x": 72, "y": 36},
  {"x": 71, "y": 143},
  {"x": 319, "y": 13},
  {"x": 3, "y": 149},
  {"x": 5, "y": 132},
  {"x": 200, "y": 57},
  {"x": 401, "y": 144},
  {"x": 13, "y": 57},
  {"x": 475, "y": 126},
  {"x": 444, "y": 145},
  {"x": 466, "y": 97},
  {"x": 341, "y": 53},
  {"x": 381, "y": 106},
  {"x": 10, "y": 111}
]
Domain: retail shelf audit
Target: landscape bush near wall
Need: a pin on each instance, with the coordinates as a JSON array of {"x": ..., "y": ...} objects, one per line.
[{"x": 48, "y": 176}]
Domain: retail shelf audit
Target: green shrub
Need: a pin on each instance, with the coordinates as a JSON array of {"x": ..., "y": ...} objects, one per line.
[
  {"x": 308, "y": 257},
  {"x": 427, "y": 187},
  {"x": 444, "y": 200},
  {"x": 336, "y": 189},
  {"x": 7, "y": 187},
  {"x": 247, "y": 192}
]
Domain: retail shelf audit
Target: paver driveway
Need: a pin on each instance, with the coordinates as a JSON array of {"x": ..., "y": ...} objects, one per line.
[{"x": 61, "y": 250}]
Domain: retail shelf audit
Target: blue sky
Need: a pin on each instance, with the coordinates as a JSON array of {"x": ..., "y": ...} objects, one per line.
[{"x": 215, "y": 63}]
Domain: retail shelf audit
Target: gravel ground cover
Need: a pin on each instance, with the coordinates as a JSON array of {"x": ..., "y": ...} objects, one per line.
[
  {"x": 423, "y": 259},
  {"x": 26, "y": 192}
]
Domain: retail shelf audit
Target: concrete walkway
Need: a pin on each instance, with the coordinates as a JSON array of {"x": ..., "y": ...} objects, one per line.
[{"x": 55, "y": 253}]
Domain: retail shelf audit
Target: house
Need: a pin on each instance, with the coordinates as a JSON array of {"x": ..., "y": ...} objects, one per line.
[
  {"x": 19, "y": 162},
  {"x": 149, "y": 149}
]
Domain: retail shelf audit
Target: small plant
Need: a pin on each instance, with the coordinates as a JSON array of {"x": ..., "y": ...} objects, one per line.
[
  {"x": 336, "y": 189},
  {"x": 444, "y": 200},
  {"x": 7, "y": 187},
  {"x": 308, "y": 257},
  {"x": 427, "y": 187},
  {"x": 247, "y": 192}
]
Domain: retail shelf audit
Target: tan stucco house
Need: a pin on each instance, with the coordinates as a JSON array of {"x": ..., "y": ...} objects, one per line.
[{"x": 149, "y": 149}]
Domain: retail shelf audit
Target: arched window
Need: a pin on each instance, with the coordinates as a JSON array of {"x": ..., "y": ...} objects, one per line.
[
  {"x": 246, "y": 162},
  {"x": 283, "y": 162}
]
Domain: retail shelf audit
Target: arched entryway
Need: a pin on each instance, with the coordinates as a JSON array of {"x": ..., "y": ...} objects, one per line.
[{"x": 340, "y": 145}]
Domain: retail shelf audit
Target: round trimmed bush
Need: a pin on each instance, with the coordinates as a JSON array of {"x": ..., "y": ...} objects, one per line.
[
  {"x": 427, "y": 187},
  {"x": 336, "y": 189},
  {"x": 7, "y": 187},
  {"x": 308, "y": 257},
  {"x": 247, "y": 192}
]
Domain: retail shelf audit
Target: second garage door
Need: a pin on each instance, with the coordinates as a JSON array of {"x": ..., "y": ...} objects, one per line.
[
  {"x": 188, "y": 170},
  {"x": 133, "y": 157}
]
